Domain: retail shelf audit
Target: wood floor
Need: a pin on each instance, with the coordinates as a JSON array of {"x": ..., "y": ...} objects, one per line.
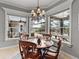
[{"x": 11, "y": 52}]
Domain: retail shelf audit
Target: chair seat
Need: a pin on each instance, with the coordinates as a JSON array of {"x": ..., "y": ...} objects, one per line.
[
  {"x": 52, "y": 49},
  {"x": 49, "y": 56},
  {"x": 50, "y": 52}
]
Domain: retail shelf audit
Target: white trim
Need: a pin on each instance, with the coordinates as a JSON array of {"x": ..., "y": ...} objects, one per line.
[
  {"x": 59, "y": 8},
  {"x": 49, "y": 24},
  {"x": 6, "y": 25},
  {"x": 30, "y": 26},
  {"x": 13, "y": 38},
  {"x": 27, "y": 8},
  {"x": 70, "y": 24},
  {"x": 64, "y": 42},
  {"x": 16, "y": 12},
  {"x": 8, "y": 47},
  {"x": 78, "y": 21},
  {"x": 12, "y": 4},
  {"x": 46, "y": 24}
]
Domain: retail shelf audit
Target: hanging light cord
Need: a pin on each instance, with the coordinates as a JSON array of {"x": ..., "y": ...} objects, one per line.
[{"x": 38, "y": 3}]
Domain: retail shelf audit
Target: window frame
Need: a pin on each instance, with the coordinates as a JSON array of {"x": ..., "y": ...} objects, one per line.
[
  {"x": 38, "y": 23},
  {"x": 16, "y": 13},
  {"x": 70, "y": 41}
]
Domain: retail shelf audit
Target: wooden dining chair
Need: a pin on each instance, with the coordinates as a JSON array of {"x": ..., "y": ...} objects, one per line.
[
  {"x": 53, "y": 54},
  {"x": 24, "y": 36},
  {"x": 46, "y": 36},
  {"x": 28, "y": 50}
]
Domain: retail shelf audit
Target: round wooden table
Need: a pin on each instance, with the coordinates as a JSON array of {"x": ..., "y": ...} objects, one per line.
[{"x": 43, "y": 45}]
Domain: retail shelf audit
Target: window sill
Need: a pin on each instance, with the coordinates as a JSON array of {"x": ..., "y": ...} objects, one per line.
[
  {"x": 13, "y": 38},
  {"x": 63, "y": 42}
]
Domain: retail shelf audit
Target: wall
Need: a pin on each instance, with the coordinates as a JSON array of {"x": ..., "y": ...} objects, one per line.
[
  {"x": 3, "y": 42},
  {"x": 2, "y": 31},
  {"x": 74, "y": 50},
  {"x": 74, "y": 23},
  {"x": 74, "y": 30}
]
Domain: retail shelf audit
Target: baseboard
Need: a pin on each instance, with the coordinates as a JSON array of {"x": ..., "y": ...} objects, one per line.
[
  {"x": 72, "y": 57},
  {"x": 9, "y": 47}
]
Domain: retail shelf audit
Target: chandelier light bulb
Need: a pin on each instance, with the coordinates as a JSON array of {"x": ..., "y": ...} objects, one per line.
[
  {"x": 43, "y": 12},
  {"x": 38, "y": 13},
  {"x": 32, "y": 12},
  {"x": 38, "y": 10}
]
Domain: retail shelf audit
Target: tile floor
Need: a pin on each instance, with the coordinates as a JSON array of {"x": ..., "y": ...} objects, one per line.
[{"x": 13, "y": 53}]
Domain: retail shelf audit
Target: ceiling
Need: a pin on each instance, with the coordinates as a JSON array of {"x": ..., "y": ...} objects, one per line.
[
  {"x": 63, "y": 14},
  {"x": 30, "y": 4}
]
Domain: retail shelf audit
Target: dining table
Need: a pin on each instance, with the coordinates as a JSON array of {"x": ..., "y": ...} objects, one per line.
[{"x": 42, "y": 46}]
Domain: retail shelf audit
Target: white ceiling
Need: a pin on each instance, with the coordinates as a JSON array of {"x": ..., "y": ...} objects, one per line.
[{"x": 30, "y": 4}]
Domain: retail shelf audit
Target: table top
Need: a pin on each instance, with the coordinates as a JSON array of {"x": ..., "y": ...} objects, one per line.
[{"x": 44, "y": 43}]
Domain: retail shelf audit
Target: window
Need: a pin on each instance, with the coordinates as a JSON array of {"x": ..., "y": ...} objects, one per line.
[
  {"x": 16, "y": 25},
  {"x": 55, "y": 26},
  {"x": 66, "y": 24},
  {"x": 38, "y": 26},
  {"x": 60, "y": 25}
]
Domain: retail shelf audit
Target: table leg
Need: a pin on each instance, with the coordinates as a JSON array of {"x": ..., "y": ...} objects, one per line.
[{"x": 41, "y": 52}]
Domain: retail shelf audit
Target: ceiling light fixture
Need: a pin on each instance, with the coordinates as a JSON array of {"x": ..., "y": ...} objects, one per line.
[{"x": 37, "y": 13}]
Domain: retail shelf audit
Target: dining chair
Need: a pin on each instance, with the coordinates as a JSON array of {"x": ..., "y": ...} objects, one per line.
[
  {"x": 28, "y": 50},
  {"x": 32, "y": 34},
  {"x": 46, "y": 36},
  {"x": 53, "y": 54},
  {"x": 24, "y": 36}
]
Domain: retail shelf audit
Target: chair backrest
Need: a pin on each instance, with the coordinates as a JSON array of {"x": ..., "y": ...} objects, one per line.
[
  {"x": 24, "y": 36},
  {"x": 58, "y": 48},
  {"x": 32, "y": 34},
  {"x": 46, "y": 36},
  {"x": 25, "y": 48}
]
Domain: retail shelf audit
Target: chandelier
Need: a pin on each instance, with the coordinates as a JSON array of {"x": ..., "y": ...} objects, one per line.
[{"x": 38, "y": 13}]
